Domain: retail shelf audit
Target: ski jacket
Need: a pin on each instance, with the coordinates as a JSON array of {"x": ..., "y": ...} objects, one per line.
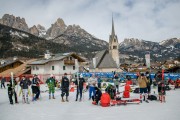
[
  {"x": 115, "y": 80},
  {"x": 65, "y": 82},
  {"x": 142, "y": 82},
  {"x": 10, "y": 86},
  {"x": 129, "y": 82},
  {"x": 51, "y": 82},
  {"x": 35, "y": 81},
  {"x": 92, "y": 81},
  {"x": 81, "y": 82},
  {"x": 3, "y": 80},
  {"x": 98, "y": 94},
  {"x": 25, "y": 83},
  {"x": 99, "y": 80}
]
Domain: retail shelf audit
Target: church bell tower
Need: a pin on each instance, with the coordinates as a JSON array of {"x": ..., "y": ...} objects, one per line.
[{"x": 114, "y": 45}]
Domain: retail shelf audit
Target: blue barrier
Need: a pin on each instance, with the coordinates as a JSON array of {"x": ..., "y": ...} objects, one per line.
[{"x": 172, "y": 76}]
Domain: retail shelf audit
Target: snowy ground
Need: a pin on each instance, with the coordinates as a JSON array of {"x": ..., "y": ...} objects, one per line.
[{"x": 46, "y": 109}]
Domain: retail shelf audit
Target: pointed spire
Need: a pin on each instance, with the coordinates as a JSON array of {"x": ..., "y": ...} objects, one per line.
[{"x": 113, "y": 31}]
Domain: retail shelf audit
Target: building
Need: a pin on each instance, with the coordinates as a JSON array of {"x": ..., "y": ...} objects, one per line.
[
  {"x": 107, "y": 60},
  {"x": 19, "y": 68},
  {"x": 57, "y": 65},
  {"x": 9, "y": 64}
]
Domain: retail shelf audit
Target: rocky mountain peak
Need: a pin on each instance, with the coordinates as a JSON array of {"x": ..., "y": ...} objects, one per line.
[
  {"x": 170, "y": 42},
  {"x": 33, "y": 30},
  {"x": 15, "y": 22},
  {"x": 56, "y": 29},
  {"x": 40, "y": 27}
]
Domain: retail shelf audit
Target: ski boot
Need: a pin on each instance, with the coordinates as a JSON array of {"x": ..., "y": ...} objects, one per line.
[
  {"x": 53, "y": 97},
  {"x": 62, "y": 100},
  {"x": 67, "y": 99}
]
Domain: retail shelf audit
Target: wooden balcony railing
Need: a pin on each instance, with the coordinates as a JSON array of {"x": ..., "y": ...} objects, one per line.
[{"x": 69, "y": 62}]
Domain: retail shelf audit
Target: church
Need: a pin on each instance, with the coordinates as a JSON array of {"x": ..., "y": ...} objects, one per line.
[{"x": 107, "y": 60}]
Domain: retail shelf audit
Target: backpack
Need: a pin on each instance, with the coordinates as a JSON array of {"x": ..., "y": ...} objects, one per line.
[
  {"x": 105, "y": 100},
  {"x": 137, "y": 90},
  {"x": 152, "y": 97}
]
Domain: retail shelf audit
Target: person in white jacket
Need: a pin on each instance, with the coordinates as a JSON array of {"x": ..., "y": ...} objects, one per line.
[{"x": 92, "y": 81}]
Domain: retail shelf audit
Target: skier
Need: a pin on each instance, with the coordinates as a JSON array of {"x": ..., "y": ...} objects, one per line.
[
  {"x": 91, "y": 84},
  {"x": 97, "y": 97},
  {"x": 161, "y": 85},
  {"x": 35, "y": 88},
  {"x": 65, "y": 87},
  {"x": 3, "y": 80},
  {"x": 51, "y": 85},
  {"x": 149, "y": 83},
  {"x": 129, "y": 81},
  {"x": 11, "y": 91},
  {"x": 25, "y": 83},
  {"x": 116, "y": 82},
  {"x": 142, "y": 80},
  {"x": 111, "y": 90},
  {"x": 99, "y": 82},
  {"x": 79, "y": 83}
]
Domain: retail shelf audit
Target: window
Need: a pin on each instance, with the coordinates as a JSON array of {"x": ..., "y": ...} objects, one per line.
[
  {"x": 70, "y": 58},
  {"x": 114, "y": 47},
  {"x": 64, "y": 67},
  {"x": 33, "y": 67},
  {"x": 37, "y": 68},
  {"x": 74, "y": 68},
  {"x": 52, "y": 67}
]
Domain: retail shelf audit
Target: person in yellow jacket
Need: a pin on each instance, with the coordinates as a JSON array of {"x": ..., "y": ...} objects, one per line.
[{"x": 142, "y": 80}]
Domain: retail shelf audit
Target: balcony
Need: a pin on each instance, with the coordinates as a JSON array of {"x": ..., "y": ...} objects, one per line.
[{"x": 69, "y": 62}]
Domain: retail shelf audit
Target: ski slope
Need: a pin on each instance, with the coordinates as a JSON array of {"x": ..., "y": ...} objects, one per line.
[{"x": 46, "y": 109}]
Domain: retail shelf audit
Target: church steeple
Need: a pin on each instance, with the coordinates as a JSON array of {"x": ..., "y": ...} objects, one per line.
[
  {"x": 113, "y": 44},
  {"x": 113, "y": 31}
]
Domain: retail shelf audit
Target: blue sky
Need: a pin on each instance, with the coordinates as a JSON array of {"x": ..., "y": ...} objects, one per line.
[{"x": 153, "y": 20}]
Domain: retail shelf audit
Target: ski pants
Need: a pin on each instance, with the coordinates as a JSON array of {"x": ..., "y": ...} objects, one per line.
[
  {"x": 25, "y": 94},
  {"x": 51, "y": 90},
  {"x": 99, "y": 85},
  {"x": 91, "y": 90},
  {"x": 79, "y": 90},
  {"x": 2, "y": 85},
  {"x": 65, "y": 91},
  {"x": 10, "y": 95},
  {"x": 35, "y": 90}
]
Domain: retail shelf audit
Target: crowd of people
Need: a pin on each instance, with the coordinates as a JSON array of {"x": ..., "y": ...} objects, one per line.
[{"x": 93, "y": 84}]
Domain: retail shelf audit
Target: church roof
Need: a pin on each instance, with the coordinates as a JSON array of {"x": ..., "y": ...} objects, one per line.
[{"x": 104, "y": 60}]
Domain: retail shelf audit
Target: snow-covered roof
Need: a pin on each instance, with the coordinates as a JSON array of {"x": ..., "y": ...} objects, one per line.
[{"x": 57, "y": 57}]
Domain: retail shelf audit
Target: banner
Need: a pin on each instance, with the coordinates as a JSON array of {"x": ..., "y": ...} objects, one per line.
[{"x": 147, "y": 57}]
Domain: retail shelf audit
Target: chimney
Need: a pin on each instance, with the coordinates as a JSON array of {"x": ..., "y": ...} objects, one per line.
[
  {"x": 47, "y": 55},
  {"x": 15, "y": 58}
]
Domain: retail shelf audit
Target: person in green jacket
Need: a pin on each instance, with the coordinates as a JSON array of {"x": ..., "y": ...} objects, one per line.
[{"x": 51, "y": 85}]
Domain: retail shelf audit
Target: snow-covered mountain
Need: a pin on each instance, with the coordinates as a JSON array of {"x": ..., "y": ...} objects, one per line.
[{"x": 136, "y": 49}]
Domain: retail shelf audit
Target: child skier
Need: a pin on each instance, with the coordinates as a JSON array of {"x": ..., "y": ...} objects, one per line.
[
  {"x": 51, "y": 85},
  {"x": 79, "y": 83},
  {"x": 11, "y": 91},
  {"x": 35, "y": 88},
  {"x": 97, "y": 97},
  {"x": 142, "y": 80},
  {"x": 65, "y": 87},
  {"x": 25, "y": 83}
]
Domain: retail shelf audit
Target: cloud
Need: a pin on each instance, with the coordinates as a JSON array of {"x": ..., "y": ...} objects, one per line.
[{"x": 153, "y": 20}]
